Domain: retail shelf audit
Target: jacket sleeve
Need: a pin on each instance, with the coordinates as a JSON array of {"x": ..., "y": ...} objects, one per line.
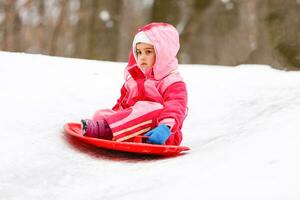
[
  {"x": 118, "y": 105},
  {"x": 175, "y": 106}
]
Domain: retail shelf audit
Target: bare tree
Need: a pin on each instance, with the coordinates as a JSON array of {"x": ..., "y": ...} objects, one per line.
[
  {"x": 12, "y": 24},
  {"x": 58, "y": 28},
  {"x": 283, "y": 27}
]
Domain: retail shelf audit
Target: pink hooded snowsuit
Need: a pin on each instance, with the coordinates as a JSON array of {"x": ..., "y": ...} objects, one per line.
[{"x": 158, "y": 96}]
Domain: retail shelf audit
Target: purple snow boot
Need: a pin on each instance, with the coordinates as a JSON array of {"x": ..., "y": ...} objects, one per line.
[{"x": 97, "y": 129}]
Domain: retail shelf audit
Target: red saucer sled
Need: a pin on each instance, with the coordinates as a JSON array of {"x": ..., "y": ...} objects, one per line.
[{"x": 135, "y": 147}]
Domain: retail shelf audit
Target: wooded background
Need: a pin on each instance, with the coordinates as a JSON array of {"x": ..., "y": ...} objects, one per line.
[{"x": 218, "y": 32}]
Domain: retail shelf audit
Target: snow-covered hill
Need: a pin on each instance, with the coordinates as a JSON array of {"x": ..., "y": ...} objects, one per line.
[{"x": 243, "y": 130}]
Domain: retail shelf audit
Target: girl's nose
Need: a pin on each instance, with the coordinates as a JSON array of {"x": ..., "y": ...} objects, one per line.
[{"x": 143, "y": 56}]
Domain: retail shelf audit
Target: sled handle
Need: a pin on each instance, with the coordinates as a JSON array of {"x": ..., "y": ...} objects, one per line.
[{"x": 140, "y": 139}]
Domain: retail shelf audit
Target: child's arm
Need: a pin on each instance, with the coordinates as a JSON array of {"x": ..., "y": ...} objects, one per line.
[{"x": 175, "y": 106}]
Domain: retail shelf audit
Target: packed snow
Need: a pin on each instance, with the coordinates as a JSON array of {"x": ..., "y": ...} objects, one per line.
[{"x": 242, "y": 128}]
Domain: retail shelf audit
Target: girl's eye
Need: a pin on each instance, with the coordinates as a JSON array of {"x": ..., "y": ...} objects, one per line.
[{"x": 148, "y": 51}]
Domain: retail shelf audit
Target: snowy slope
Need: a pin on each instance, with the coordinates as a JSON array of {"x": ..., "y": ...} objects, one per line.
[{"x": 243, "y": 129}]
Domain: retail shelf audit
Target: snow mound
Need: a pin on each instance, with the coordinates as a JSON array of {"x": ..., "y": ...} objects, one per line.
[{"x": 242, "y": 128}]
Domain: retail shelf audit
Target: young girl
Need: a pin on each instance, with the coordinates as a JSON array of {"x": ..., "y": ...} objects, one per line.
[{"x": 153, "y": 98}]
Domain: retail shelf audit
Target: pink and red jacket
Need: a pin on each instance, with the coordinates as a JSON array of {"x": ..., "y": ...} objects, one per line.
[{"x": 162, "y": 84}]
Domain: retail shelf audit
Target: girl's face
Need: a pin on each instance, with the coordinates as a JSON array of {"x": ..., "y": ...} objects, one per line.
[{"x": 145, "y": 55}]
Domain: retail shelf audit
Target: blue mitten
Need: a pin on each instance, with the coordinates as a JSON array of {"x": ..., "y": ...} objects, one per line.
[{"x": 159, "y": 135}]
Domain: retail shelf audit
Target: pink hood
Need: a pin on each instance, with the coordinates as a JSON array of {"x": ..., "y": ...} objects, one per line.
[{"x": 165, "y": 39}]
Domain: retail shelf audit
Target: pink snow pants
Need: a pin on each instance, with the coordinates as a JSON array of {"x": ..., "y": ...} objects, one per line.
[{"x": 130, "y": 122}]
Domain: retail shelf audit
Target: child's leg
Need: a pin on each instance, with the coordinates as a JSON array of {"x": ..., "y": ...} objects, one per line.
[
  {"x": 97, "y": 129},
  {"x": 124, "y": 125},
  {"x": 133, "y": 121}
]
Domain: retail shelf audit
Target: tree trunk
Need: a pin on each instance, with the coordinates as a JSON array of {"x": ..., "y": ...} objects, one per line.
[
  {"x": 12, "y": 25},
  {"x": 58, "y": 29}
]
